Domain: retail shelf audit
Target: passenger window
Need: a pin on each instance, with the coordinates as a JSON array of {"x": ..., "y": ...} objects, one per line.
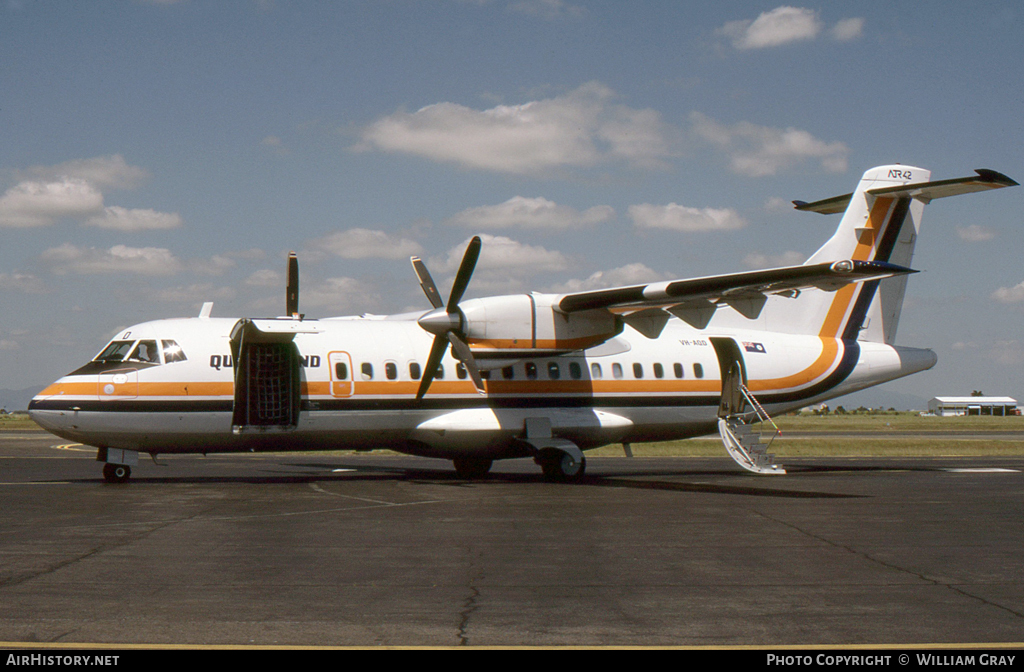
[
  {"x": 146, "y": 352},
  {"x": 677, "y": 368},
  {"x": 617, "y": 371},
  {"x": 367, "y": 371},
  {"x": 391, "y": 370},
  {"x": 414, "y": 370},
  {"x": 554, "y": 373},
  {"x": 460, "y": 371},
  {"x": 508, "y": 372},
  {"x": 595, "y": 371},
  {"x": 574, "y": 371},
  {"x": 638, "y": 370},
  {"x": 531, "y": 370},
  {"x": 698, "y": 371},
  {"x": 172, "y": 352},
  {"x": 439, "y": 375},
  {"x": 659, "y": 371},
  {"x": 341, "y": 371}
]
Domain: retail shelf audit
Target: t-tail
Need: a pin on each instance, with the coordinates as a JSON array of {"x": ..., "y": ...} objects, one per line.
[{"x": 881, "y": 222}]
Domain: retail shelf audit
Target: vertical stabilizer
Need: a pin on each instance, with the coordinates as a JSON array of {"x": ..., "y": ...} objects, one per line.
[{"x": 875, "y": 227}]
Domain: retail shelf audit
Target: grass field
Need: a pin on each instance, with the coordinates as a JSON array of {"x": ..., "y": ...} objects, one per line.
[{"x": 899, "y": 434}]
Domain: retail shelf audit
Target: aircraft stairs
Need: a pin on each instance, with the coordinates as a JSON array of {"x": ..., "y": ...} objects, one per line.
[{"x": 747, "y": 435}]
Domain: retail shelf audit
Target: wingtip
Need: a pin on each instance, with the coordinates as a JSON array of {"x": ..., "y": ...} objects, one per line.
[{"x": 996, "y": 177}]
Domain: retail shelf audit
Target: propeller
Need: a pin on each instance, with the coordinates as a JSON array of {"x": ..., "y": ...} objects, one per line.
[
  {"x": 447, "y": 322},
  {"x": 291, "y": 299}
]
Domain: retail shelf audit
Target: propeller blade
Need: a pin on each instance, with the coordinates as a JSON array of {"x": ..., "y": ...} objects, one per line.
[
  {"x": 292, "y": 292},
  {"x": 465, "y": 272},
  {"x": 462, "y": 353},
  {"x": 437, "y": 350},
  {"x": 426, "y": 282}
]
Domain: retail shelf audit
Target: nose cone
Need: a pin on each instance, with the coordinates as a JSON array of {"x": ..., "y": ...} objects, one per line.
[
  {"x": 439, "y": 321},
  {"x": 52, "y": 411}
]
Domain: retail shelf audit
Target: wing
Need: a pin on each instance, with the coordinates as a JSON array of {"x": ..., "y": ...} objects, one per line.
[{"x": 694, "y": 300}]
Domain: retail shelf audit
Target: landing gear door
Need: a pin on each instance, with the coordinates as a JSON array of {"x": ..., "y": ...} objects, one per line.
[
  {"x": 733, "y": 373},
  {"x": 341, "y": 373}
]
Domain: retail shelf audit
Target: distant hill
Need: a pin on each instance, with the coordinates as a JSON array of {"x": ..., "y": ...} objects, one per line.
[
  {"x": 879, "y": 397},
  {"x": 17, "y": 400}
]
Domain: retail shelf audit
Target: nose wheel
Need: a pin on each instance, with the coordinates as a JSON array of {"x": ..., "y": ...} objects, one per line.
[{"x": 116, "y": 473}]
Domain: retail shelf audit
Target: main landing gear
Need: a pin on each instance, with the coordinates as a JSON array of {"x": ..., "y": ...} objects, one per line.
[{"x": 561, "y": 467}]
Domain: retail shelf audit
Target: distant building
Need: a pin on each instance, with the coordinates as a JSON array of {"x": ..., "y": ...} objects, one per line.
[{"x": 948, "y": 406}]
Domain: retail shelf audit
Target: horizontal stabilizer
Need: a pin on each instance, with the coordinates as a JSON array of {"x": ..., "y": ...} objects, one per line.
[{"x": 923, "y": 191}]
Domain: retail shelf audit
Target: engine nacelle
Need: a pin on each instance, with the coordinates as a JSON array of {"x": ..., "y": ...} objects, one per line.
[{"x": 525, "y": 325}]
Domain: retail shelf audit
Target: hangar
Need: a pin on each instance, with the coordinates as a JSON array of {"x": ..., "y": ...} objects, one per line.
[{"x": 949, "y": 406}]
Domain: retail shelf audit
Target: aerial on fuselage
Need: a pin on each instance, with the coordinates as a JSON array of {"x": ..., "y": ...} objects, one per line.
[{"x": 544, "y": 376}]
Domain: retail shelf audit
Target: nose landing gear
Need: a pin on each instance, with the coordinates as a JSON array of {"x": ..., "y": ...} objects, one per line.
[{"x": 116, "y": 473}]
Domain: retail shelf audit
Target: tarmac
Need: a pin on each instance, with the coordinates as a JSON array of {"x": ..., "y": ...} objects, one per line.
[{"x": 382, "y": 551}]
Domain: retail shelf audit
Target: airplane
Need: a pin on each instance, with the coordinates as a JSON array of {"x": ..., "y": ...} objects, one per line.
[{"x": 547, "y": 376}]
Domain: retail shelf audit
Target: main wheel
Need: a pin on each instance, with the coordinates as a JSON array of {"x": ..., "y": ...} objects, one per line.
[
  {"x": 472, "y": 467},
  {"x": 116, "y": 473},
  {"x": 559, "y": 466}
]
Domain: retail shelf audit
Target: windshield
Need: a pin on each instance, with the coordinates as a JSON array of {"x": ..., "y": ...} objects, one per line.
[{"x": 115, "y": 352}]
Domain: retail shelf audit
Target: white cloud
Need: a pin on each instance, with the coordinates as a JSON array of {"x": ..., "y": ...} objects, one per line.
[
  {"x": 758, "y": 151},
  {"x": 338, "y": 294},
  {"x": 101, "y": 172},
  {"x": 138, "y": 219},
  {"x": 759, "y": 260},
  {"x": 21, "y": 282},
  {"x": 579, "y": 129},
  {"x": 265, "y": 278},
  {"x": 786, "y": 25},
  {"x": 547, "y": 9},
  {"x": 194, "y": 293},
  {"x": 781, "y": 25},
  {"x": 682, "y": 218},
  {"x": 1013, "y": 294},
  {"x": 624, "y": 276},
  {"x": 975, "y": 233},
  {"x": 74, "y": 189},
  {"x": 69, "y": 258},
  {"x": 367, "y": 244},
  {"x": 530, "y": 213},
  {"x": 499, "y": 254},
  {"x": 848, "y": 29},
  {"x": 33, "y": 204}
]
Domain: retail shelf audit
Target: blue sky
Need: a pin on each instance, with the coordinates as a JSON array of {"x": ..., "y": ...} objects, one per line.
[{"x": 156, "y": 155}]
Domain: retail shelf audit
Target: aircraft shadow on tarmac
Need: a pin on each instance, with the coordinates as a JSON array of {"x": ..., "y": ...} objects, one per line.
[{"x": 631, "y": 479}]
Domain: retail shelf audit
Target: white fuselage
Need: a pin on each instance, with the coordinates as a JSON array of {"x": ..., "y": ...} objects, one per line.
[{"x": 359, "y": 378}]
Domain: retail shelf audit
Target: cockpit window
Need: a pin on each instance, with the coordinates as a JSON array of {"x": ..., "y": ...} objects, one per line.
[
  {"x": 115, "y": 352},
  {"x": 145, "y": 351},
  {"x": 172, "y": 352}
]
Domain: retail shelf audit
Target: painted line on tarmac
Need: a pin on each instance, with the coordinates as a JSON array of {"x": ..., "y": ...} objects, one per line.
[{"x": 983, "y": 470}]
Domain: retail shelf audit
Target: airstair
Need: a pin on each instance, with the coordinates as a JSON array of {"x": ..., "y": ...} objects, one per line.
[{"x": 746, "y": 434}]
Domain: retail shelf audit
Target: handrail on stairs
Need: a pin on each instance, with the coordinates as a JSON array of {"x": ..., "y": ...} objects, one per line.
[{"x": 761, "y": 413}]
